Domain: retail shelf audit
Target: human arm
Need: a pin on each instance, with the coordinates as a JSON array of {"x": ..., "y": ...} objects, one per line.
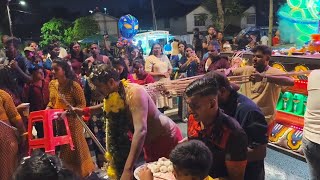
[
  {"x": 278, "y": 80},
  {"x": 139, "y": 110},
  {"x": 26, "y": 77},
  {"x": 12, "y": 112},
  {"x": 149, "y": 67},
  {"x": 256, "y": 128},
  {"x": 236, "y": 155},
  {"x": 106, "y": 44}
]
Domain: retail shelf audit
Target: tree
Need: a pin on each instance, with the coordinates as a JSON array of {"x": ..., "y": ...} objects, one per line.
[
  {"x": 219, "y": 8},
  {"x": 220, "y": 14},
  {"x": 84, "y": 27},
  {"x": 52, "y": 30}
]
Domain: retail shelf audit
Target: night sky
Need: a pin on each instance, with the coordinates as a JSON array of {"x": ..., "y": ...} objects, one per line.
[{"x": 28, "y": 25}]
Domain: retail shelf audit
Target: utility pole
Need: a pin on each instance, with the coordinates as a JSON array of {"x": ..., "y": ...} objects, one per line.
[
  {"x": 155, "y": 27},
  {"x": 9, "y": 18}
]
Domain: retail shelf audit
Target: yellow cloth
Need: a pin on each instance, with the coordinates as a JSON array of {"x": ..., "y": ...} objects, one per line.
[{"x": 79, "y": 160}]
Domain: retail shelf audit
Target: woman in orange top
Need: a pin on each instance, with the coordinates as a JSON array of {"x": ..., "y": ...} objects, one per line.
[
  {"x": 64, "y": 92},
  {"x": 10, "y": 124}
]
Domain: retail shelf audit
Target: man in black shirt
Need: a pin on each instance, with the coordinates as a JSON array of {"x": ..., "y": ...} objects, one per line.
[
  {"x": 252, "y": 120},
  {"x": 220, "y": 132}
]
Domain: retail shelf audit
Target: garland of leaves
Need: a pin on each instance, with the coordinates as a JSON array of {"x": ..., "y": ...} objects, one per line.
[{"x": 118, "y": 143}]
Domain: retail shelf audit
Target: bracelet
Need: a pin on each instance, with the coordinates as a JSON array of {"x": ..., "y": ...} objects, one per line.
[
  {"x": 86, "y": 111},
  {"x": 24, "y": 134}
]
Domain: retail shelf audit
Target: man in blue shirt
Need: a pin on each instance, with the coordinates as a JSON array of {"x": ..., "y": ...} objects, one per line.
[{"x": 252, "y": 120}]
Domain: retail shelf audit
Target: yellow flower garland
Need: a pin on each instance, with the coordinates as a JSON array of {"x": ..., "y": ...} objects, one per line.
[{"x": 114, "y": 103}]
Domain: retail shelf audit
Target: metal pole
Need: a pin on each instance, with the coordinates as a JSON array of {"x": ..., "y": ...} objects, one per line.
[
  {"x": 9, "y": 17},
  {"x": 155, "y": 27}
]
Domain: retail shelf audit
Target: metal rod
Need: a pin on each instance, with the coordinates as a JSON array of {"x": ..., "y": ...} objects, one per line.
[{"x": 95, "y": 140}]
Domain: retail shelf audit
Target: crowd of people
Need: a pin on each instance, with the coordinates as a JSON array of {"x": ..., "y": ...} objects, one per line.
[{"x": 228, "y": 123}]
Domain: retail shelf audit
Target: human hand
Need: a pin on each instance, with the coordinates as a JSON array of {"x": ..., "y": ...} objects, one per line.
[
  {"x": 78, "y": 111},
  {"x": 14, "y": 64},
  {"x": 256, "y": 77},
  {"x": 167, "y": 75},
  {"x": 145, "y": 174},
  {"x": 183, "y": 140},
  {"x": 127, "y": 175}
]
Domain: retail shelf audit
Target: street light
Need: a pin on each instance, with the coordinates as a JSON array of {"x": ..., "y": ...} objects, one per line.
[{"x": 22, "y": 3}]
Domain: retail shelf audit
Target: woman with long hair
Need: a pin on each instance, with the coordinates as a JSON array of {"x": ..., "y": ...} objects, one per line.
[
  {"x": 140, "y": 76},
  {"x": 122, "y": 68},
  {"x": 11, "y": 125},
  {"x": 64, "y": 93},
  {"x": 158, "y": 65},
  {"x": 76, "y": 57}
]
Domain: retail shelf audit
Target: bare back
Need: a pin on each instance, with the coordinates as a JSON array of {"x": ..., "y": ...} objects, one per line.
[{"x": 157, "y": 123}]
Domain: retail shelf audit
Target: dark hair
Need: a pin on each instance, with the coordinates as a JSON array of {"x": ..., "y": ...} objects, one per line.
[
  {"x": 151, "y": 52},
  {"x": 52, "y": 46},
  {"x": 43, "y": 166},
  {"x": 34, "y": 67},
  {"x": 120, "y": 61},
  {"x": 196, "y": 29},
  {"x": 211, "y": 26},
  {"x": 220, "y": 78},
  {"x": 8, "y": 79},
  {"x": 192, "y": 157},
  {"x": 202, "y": 87},
  {"x": 137, "y": 62},
  {"x": 266, "y": 50},
  {"x": 103, "y": 73},
  {"x": 182, "y": 42},
  {"x": 189, "y": 46},
  {"x": 73, "y": 55},
  {"x": 65, "y": 67},
  {"x": 13, "y": 41},
  {"x": 30, "y": 42}
]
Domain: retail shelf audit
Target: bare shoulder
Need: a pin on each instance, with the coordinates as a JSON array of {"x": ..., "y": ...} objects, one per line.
[{"x": 136, "y": 97}]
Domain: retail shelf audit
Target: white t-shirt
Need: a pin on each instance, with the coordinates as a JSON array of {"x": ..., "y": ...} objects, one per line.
[
  {"x": 264, "y": 40},
  {"x": 311, "y": 129}
]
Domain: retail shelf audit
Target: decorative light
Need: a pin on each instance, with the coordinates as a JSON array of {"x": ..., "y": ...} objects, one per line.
[{"x": 303, "y": 15}]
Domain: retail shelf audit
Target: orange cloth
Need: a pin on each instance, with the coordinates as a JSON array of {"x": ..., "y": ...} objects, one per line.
[
  {"x": 8, "y": 139},
  {"x": 79, "y": 160}
]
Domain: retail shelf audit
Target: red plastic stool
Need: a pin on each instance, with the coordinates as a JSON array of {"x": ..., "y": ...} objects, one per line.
[{"x": 49, "y": 141}]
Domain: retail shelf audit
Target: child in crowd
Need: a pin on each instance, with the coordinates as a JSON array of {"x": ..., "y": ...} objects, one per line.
[
  {"x": 191, "y": 161},
  {"x": 37, "y": 94}
]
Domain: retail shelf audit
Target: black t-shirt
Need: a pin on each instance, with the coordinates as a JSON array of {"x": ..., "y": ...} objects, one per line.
[
  {"x": 226, "y": 140},
  {"x": 249, "y": 116}
]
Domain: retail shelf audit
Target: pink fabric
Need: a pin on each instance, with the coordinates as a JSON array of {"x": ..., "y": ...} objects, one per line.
[{"x": 162, "y": 146}]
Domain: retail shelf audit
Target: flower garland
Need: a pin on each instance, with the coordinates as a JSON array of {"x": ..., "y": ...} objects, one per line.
[{"x": 117, "y": 127}]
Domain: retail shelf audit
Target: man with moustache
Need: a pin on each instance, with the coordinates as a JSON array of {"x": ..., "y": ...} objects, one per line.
[{"x": 264, "y": 88}]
